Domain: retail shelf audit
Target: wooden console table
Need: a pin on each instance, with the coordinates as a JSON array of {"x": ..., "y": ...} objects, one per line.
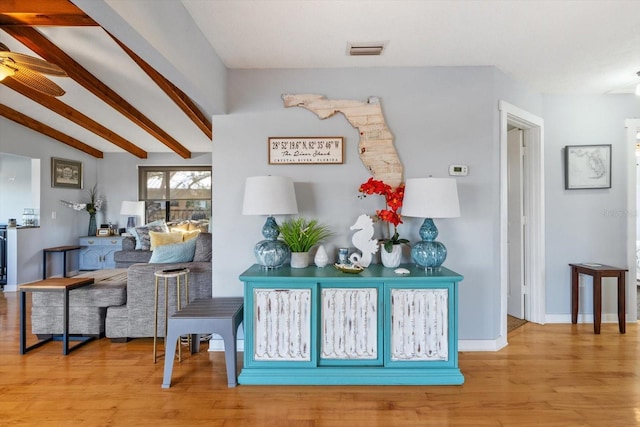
[
  {"x": 598, "y": 271},
  {"x": 322, "y": 326},
  {"x": 64, "y": 250}
]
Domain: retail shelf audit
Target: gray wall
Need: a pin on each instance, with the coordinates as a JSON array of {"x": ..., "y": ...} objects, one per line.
[
  {"x": 585, "y": 225},
  {"x": 69, "y": 224},
  {"x": 439, "y": 116}
]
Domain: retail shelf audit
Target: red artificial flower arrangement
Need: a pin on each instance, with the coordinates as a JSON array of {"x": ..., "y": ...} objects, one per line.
[{"x": 393, "y": 199}]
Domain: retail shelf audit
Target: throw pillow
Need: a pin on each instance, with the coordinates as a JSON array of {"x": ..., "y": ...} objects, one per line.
[
  {"x": 202, "y": 225},
  {"x": 188, "y": 235},
  {"x": 176, "y": 252},
  {"x": 159, "y": 238},
  {"x": 183, "y": 226},
  {"x": 134, "y": 233},
  {"x": 143, "y": 233}
]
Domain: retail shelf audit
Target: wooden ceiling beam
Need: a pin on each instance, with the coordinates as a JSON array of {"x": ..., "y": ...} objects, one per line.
[
  {"x": 180, "y": 98},
  {"x": 47, "y": 130},
  {"x": 70, "y": 113},
  {"x": 43, "y": 13},
  {"x": 42, "y": 46}
]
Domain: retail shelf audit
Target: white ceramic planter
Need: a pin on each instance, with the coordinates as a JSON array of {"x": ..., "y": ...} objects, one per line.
[
  {"x": 299, "y": 259},
  {"x": 391, "y": 259}
]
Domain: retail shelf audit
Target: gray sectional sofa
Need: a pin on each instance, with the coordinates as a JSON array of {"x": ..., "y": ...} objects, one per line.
[
  {"x": 120, "y": 304},
  {"x": 135, "y": 318}
]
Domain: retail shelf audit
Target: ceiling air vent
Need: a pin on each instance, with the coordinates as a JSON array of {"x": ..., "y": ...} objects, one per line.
[{"x": 365, "y": 49}]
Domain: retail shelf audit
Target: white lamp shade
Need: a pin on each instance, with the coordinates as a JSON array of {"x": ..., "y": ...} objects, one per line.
[
  {"x": 269, "y": 195},
  {"x": 431, "y": 198},
  {"x": 132, "y": 208}
]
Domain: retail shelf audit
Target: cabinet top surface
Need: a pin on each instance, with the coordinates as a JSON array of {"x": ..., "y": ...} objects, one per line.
[{"x": 374, "y": 271}]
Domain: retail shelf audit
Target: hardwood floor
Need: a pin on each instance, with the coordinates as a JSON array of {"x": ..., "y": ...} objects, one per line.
[{"x": 552, "y": 375}]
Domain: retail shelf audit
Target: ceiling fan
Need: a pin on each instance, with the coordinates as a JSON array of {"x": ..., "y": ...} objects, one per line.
[{"x": 28, "y": 70}]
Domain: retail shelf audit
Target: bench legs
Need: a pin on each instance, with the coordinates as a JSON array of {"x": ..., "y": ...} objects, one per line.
[{"x": 226, "y": 328}]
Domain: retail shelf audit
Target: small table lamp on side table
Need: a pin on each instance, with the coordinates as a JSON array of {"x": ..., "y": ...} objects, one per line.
[
  {"x": 430, "y": 198},
  {"x": 270, "y": 195}
]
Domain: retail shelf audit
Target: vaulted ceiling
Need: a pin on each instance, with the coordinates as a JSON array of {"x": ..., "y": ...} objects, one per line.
[
  {"x": 116, "y": 53},
  {"x": 114, "y": 100}
]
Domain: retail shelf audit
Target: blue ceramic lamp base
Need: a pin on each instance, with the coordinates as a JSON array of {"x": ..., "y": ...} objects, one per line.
[
  {"x": 271, "y": 252},
  {"x": 428, "y": 253}
]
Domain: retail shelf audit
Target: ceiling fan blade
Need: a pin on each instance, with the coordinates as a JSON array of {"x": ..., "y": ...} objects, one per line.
[
  {"x": 36, "y": 81},
  {"x": 35, "y": 64}
]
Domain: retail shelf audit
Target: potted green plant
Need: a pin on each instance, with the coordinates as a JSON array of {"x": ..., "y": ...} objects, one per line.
[{"x": 302, "y": 234}]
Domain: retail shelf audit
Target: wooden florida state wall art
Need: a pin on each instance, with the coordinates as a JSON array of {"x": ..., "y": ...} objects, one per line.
[{"x": 375, "y": 148}]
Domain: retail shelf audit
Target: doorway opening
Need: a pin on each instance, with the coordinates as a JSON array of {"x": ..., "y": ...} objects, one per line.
[
  {"x": 516, "y": 228},
  {"x": 530, "y": 297}
]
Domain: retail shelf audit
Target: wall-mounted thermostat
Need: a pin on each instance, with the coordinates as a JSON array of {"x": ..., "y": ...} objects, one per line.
[{"x": 458, "y": 170}]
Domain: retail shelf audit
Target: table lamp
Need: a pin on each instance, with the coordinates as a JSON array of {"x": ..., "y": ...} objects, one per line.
[
  {"x": 430, "y": 198},
  {"x": 270, "y": 195},
  {"x": 132, "y": 210}
]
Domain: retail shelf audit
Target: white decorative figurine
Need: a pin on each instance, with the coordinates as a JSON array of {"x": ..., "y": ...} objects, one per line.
[
  {"x": 321, "y": 259},
  {"x": 362, "y": 240}
]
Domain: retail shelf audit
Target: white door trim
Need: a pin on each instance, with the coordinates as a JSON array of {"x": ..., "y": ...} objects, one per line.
[
  {"x": 533, "y": 128},
  {"x": 633, "y": 127}
]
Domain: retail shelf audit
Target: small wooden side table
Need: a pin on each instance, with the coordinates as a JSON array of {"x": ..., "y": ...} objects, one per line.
[
  {"x": 63, "y": 285},
  {"x": 64, "y": 250},
  {"x": 180, "y": 273},
  {"x": 598, "y": 271}
]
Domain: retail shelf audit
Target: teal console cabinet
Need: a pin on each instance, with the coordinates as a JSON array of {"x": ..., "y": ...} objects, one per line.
[{"x": 322, "y": 326}]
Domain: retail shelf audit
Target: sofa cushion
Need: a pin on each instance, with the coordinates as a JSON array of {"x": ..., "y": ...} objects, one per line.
[
  {"x": 110, "y": 288},
  {"x": 160, "y": 238},
  {"x": 143, "y": 233},
  {"x": 203, "y": 248},
  {"x": 177, "y": 252}
]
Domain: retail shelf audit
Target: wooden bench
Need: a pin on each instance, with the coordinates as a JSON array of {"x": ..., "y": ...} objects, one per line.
[{"x": 220, "y": 316}]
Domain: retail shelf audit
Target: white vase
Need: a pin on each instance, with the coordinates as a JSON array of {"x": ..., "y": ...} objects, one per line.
[
  {"x": 299, "y": 259},
  {"x": 321, "y": 259},
  {"x": 391, "y": 259}
]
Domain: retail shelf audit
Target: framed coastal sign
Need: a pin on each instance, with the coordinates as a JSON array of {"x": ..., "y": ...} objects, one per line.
[
  {"x": 309, "y": 150},
  {"x": 66, "y": 173},
  {"x": 587, "y": 166}
]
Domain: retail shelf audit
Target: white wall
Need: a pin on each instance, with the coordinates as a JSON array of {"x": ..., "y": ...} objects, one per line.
[{"x": 15, "y": 186}]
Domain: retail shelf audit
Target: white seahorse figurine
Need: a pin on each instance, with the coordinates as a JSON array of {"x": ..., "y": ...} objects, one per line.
[{"x": 362, "y": 240}]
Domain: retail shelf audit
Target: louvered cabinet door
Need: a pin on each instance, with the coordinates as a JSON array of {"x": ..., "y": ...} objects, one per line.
[
  {"x": 282, "y": 325},
  {"x": 350, "y": 325},
  {"x": 419, "y": 325}
]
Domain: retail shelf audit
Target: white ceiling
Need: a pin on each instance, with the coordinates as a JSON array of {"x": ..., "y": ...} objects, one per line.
[{"x": 557, "y": 47}]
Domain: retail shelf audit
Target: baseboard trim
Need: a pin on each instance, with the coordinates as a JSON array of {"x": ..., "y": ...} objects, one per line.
[
  {"x": 582, "y": 318},
  {"x": 217, "y": 344},
  {"x": 482, "y": 345}
]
